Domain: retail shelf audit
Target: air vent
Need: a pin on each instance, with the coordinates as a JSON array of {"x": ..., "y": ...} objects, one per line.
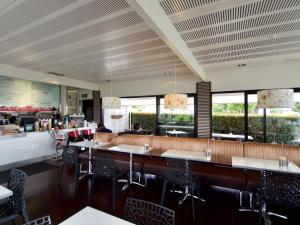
[{"x": 56, "y": 74}]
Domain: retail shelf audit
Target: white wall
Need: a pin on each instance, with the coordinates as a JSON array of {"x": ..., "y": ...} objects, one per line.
[
  {"x": 285, "y": 75},
  {"x": 16, "y": 72},
  {"x": 154, "y": 86}
]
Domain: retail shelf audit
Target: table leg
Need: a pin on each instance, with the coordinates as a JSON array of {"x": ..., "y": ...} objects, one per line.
[{"x": 90, "y": 161}]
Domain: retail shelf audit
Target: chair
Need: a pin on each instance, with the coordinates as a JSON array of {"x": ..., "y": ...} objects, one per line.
[
  {"x": 88, "y": 134},
  {"x": 104, "y": 167},
  {"x": 46, "y": 220},
  {"x": 142, "y": 212},
  {"x": 179, "y": 172},
  {"x": 278, "y": 189},
  {"x": 15, "y": 205},
  {"x": 60, "y": 141},
  {"x": 70, "y": 157},
  {"x": 74, "y": 136}
]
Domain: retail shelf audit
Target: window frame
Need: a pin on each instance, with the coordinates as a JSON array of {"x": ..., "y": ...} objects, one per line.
[{"x": 246, "y": 111}]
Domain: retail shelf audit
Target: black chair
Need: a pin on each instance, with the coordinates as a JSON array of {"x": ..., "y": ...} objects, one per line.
[
  {"x": 179, "y": 173},
  {"x": 46, "y": 220},
  {"x": 104, "y": 167},
  {"x": 278, "y": 190},
  {"x": 15, "y": 205},
  {"x": 142, "y": 212},
  {"x": 70, "y": 157}
]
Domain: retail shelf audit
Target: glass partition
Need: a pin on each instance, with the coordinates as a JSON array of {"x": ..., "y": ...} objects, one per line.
[
  {"x": 228, "y": 116},
  {"x": 178, "y": 123}
]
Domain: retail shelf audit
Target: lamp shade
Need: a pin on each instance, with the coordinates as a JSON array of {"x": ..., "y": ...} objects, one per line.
[
  {"x": 111, "y": 103},
  {"x": 275, "y": 98},
  {"x": 176, "y": 101}
]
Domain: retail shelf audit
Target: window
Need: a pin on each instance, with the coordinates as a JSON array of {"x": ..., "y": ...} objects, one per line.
[
  {"x": 140, "y": 110},
  {"x": 282, "y": 125},
  {"x": 228, "y": 116},
  {"x": 177, "y": 122},
  {"x": 264, "y": 125},
  {"x": 133, "y": 110},
  {"x": 255, "y": 120}
]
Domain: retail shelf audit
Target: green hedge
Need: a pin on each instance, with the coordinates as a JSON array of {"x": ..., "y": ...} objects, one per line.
[
  {"x": 281, "y": 125},
  {"x": 147, "y": 120}
]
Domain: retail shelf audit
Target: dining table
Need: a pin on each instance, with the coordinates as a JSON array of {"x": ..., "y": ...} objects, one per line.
[
  {"x": 91, "y": 216},
  {"x": 90, "y": 145},
  {"x": 131, "y": 150},
  {"x": 5, "y": 192}
]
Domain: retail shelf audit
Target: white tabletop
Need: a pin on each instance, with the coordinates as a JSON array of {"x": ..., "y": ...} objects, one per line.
[
  {"x": 90, "y": 144},
  {"x": 4, "y": 192},
  {"x": 232, "y": 136},
  {"x": 189, "y": 155},
  {"x": 263, "y": 164},
  {"x": 91, "y": 216},
  {"x": 175, "y": 132},
  {"x": 134, "y": 149}
]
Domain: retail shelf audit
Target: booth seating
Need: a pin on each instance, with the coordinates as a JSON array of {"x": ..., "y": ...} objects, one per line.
[{"x": 217, "y": 173}]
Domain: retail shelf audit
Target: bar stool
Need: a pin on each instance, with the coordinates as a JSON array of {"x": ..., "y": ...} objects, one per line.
[
  {"x": 278, "y": 189},
  {"x": 179, "y": 172}
]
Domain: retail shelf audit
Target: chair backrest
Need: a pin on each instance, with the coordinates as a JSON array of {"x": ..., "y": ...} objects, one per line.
[
  {"x": 104, "y": 166},
  {"x": 280, "y": 189},
  {"x": 142, "y": 212},
  {"x": 70, "y": 155},
  {"x": 178, "y": 171},
  {"x": 16, "y": 183},
  {"x": 46, "y": 220}
]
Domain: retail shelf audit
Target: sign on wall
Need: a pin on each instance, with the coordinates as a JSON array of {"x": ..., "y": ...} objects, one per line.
[{"x": 20, "y": 93}]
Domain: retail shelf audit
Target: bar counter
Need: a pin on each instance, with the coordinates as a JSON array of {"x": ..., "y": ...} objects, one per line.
[{"x": 23, "y": 148}]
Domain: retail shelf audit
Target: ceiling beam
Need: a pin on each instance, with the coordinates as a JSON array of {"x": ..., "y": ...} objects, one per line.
[{"x": 154, "y": 15}]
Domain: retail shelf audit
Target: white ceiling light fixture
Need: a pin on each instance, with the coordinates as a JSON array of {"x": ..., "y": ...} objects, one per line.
[
  {"x": 111, "y": 102},
  {"x": 174, "y": 100},
  {"x": 275, "y": 98}
]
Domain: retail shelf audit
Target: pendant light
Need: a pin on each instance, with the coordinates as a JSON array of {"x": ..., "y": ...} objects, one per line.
[
  {"x": 174, "y": 100},
  {"x": 111, "y": 102},
  {"x": 275, "y": 98}
]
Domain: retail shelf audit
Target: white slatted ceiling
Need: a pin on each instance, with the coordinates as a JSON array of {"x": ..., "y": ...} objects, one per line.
[
  {"x": 247, "y": 30},
  {"x": 61, "y": 36}
]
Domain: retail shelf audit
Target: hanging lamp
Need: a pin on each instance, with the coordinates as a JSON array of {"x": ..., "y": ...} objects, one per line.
[
  {"x": 275, "y": 98},
  {"x": 111, "y": 102},
  {"x": 174, "y": 100}
]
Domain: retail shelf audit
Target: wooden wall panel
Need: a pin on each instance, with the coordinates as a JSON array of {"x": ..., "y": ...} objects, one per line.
[
  {"x": 223, "y": 151},
  {"x": 203, "y": 109},
  {"x": 96, "y": 106}
]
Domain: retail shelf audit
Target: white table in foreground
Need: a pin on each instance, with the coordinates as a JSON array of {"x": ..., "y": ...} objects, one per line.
[
  {"x": 131, "y": 149},
  {"x": 188, "y": 155},
  {"x": 5, "y": 193},
  {"x": 263, "y": 164},
  {"x": 90, "y": 145},
  {"x": 91, "y": 216}
]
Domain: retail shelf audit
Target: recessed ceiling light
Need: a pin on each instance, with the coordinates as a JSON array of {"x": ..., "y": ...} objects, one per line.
[{"x": 242, "y": 65}]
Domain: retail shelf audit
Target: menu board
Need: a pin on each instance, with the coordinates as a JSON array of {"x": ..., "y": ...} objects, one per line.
[
  {"x": 20, "y": 93},
  {"x": 12, "y": 92},
  {"x": 44, "y": 95}
]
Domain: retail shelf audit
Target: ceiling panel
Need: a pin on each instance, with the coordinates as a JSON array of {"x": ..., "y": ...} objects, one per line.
[
  {"x": 80, "y": 38},
  {"x": 222, "y": 31}
]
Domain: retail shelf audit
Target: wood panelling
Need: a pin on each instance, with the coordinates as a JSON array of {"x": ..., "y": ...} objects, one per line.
[
  {"x": 203, "y": 110},
  {"x": 130, "y": 139},
  {"x": 222, "y": 151},
  {"x": 104, "y": 137}
]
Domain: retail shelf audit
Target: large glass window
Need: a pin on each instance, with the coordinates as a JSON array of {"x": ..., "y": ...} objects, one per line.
[
  {"x": 179, "y": 123},
  {"x": 255, "y": 120},
  {"x": 282, "y": 125},
  {"x": 140, "y": 110},
  {"x": 228, "y": 116},
  {"x": 133, "y": 110}
]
